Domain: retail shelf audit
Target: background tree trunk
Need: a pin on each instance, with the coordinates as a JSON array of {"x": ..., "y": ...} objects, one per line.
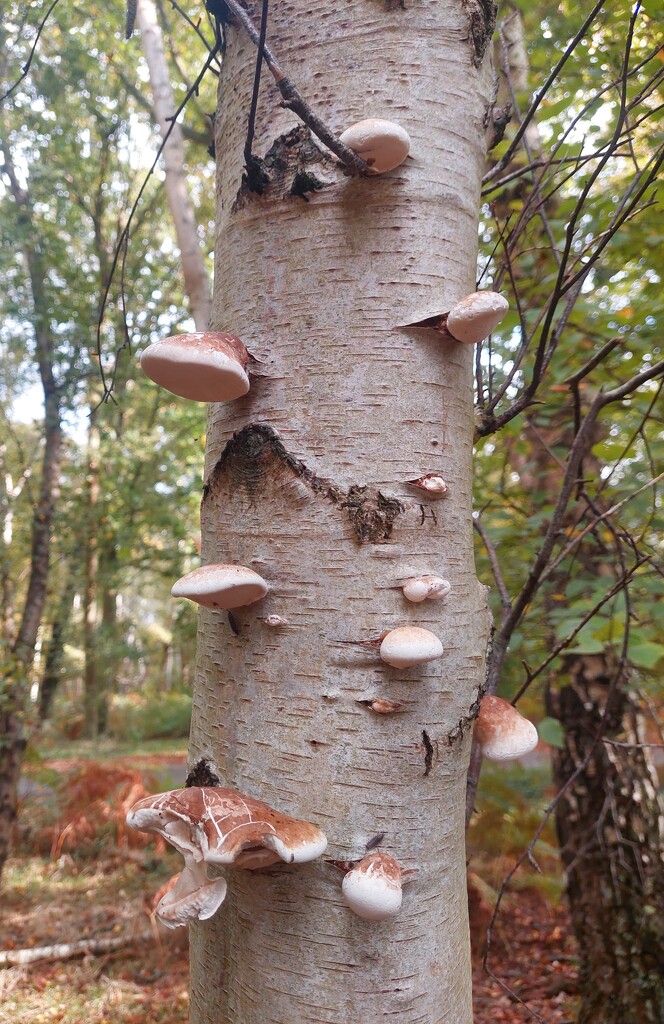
[
  {"x": 306, "y": 481},
  {"x": 91, "y": 675},
  {"x": 609, "y": 820},
  {"x": 196, "y": 280},
  {"x": 53, "y": 664},
  {"x": 610, "y": 831},
  {"x": 13, "y": 687}
]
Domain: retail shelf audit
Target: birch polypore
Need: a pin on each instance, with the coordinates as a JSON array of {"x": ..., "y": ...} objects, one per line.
[
  {"x": 383, "y": 144},
  {"x": 372, "y": 888},
  {"x": 206, "y": 366},
  {"x": 426, "y": 588},
  {"x": 502, "y": 733},
  {"x": 475, "y": 316},
  {"x": 307, "y": 475},
  {"x": 221, "y": 586}
]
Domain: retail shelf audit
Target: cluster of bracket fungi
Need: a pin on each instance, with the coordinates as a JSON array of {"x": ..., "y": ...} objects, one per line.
[{"x": 215, "y": 826}]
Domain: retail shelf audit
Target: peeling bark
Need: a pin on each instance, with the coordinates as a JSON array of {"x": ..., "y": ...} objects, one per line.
[{"x": 307, "y": 483}]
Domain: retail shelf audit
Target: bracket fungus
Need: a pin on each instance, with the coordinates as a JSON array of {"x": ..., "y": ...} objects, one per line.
[
  {"x": 205, "y": 367},
  {"x": 410, "y": 645},
  {"x": 502, "y": 733},
  {"x": 382, "y": 144},
  {"x": 221, "y": 586},
  {"x": 426, "y": 588},
  {"x": 470, "y": 320},
  {"x": 432, "y": 484},
  {"x": 473, "y": 318},
  {"x": 372, "y": 888},
  {"x": 218, "y": 826}
]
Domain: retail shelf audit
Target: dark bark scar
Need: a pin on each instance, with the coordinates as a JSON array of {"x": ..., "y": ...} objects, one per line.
[
  {"x": 256, "y": 454},
  {"x": 428, "y": 752},
  {"x": 482, "y": 22},
  {"x": 292, "y": 166},
  {"x": 202, "y": 774}
]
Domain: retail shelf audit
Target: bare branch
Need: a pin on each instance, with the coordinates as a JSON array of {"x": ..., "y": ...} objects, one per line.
[
  {"x": 293, "y": 98},
  {"x": 569, "y": 50},
  {"x": 26, "y": 67}
]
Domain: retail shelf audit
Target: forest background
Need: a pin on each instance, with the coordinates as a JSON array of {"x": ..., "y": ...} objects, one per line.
[{"x": 105, "y": 695}]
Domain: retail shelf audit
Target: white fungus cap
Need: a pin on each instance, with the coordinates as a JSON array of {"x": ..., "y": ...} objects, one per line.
[
  {"x": 410, "y": 645},
  {"x": 221, "y": 586},
  {"x": 385, "y": 143},
  {"x": 372, "y": 889},
  {"x": 205, "y": 367},
  {"x": 474, "y": 317},
  {"x": 426, "y": 588},
  {"x": 502, "y": 733}
]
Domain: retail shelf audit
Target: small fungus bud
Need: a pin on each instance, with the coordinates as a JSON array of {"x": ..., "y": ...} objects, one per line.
[
  {"x": 426, "y": 588},
  {"x": 382, "y": 144},
  {"x": 410, "y": 645},
  {"x": 474, "y": 317},
  {"x": 221, "y": 586},
  {"x": 372, "y": 888},
  {"x": 502, "y": 733},
  {"x": 433, "y": 485},
  {"x": 381, "y": 706},
  {"x": 204, "y": 367},
  {"x": 275, "y": 621}
]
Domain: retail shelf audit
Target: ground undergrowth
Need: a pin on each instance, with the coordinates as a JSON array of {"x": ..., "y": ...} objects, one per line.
[{"x": 76, "y": 875}]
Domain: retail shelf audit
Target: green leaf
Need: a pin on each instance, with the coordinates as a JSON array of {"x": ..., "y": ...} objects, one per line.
[
  {"x": 646, "y": 654},
  {"x": 551, "y": 732}
]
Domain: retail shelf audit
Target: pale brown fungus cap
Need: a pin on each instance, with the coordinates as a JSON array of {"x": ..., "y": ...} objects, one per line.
[
  {"x": 219, "y": 826},
  {"x": 221, "y": 586},
  {"x": 383, "y": 144},
  {"x": 410, "y": 645},
  {"x": 207, "y": 366},
  {"x": 474, "y": 317},
  {"x": 502, "y": 733}
]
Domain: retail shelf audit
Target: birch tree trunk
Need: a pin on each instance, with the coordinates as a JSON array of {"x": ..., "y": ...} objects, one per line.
[
  {"x": 306, "y": 482},
  {"x": 196, "y": 282}
]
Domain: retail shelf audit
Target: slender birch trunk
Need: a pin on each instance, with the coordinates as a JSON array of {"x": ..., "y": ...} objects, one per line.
[
  {"x": 306, "y": 482},
  {"x": 196, "y": 281}
]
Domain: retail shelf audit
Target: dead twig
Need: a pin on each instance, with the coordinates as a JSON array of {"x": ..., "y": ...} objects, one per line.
[{"x": 67, "y": 950}]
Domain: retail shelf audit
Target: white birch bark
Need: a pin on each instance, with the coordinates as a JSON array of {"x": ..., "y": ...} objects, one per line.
[
  {"x": 196, "y": 281},
  {"x": 349, "y": 400}
]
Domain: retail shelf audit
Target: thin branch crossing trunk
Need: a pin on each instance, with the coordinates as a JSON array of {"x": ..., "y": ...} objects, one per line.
[{"x": 307, "y": 482}]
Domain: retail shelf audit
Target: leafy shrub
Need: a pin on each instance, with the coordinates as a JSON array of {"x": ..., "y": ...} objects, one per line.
[{"x": 150, "y": 715}]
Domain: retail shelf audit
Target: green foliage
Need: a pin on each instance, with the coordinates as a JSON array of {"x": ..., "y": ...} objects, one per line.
[
  {"x": 78, "y": 130},
  {"x": 519, "y": 470},
  {"x": 150, "y": 715}
]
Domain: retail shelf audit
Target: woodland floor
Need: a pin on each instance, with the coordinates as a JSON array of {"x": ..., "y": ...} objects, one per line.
[{"x": 108, "y": 892}]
